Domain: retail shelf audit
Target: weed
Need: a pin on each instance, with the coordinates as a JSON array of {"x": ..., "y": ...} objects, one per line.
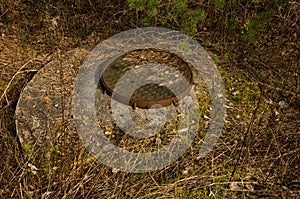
[
  {"x": 256, "y": 26},
  {"x": 137, "y": 4},
  {"x": 28, "y": 149},
  {"x": 173, "y": 12}
]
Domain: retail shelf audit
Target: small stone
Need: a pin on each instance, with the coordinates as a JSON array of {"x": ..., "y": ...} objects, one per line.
[
  {"x": 250, "y": 187},
  {"x": 206, "y": 117},
  {"x": 33, "y": 168},
  {"x": 158, "y": 141},
  {"x": 283, "y": 104},
  {"x": 185, "y": 172},
  {"x": 270, "y": 101},
  {"x": 115, "y": 170},
  {"x": 236, "y": 93},
  {"x": 235, "y": 186}
]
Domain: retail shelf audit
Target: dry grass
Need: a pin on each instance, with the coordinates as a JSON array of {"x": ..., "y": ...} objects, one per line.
[{"x": 257, "y": 156}]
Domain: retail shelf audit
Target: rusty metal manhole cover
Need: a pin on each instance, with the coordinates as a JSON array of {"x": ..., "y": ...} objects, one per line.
[{"x": 169, "y": 78}]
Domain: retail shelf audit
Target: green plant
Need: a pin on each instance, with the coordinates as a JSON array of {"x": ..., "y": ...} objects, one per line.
[
  {"x": 176, "y": 13},
  {"x": 152, "y": 7},
  {"x": 253, "y": 30},
  {"x": 179, "y": 6},
  {"x": 218, "y": 3},
  {"x": 216, "y": 59},
  {"x": 256, "y": 25},
  {"x": 28, "y": 149},
  {"x": 189, "y": 24},
  {"x": 137, "y": 4}
]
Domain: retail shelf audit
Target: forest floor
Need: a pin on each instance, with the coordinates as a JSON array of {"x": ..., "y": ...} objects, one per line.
[{"x": 257, "y": 157}]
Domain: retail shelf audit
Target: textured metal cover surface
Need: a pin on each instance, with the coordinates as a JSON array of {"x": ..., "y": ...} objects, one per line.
[{"x": 176, "y": 75}]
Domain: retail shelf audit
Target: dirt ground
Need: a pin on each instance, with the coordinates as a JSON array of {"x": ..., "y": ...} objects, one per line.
[{"x": 259, "y": 159}]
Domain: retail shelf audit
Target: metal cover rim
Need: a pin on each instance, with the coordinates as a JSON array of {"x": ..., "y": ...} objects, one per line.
[{"x": 146, "y": 104}]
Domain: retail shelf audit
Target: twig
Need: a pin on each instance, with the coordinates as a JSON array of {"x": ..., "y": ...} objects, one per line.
[
  {"x": 13, "y": 78},
  {"x": 4, "y": 13},
  {"x": 21, "y": 192}
]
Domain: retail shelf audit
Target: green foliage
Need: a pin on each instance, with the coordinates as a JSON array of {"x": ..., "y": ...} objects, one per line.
[
  {"x": 189, "y": 25},
  {"x": 215, "y": 59},
  {"x": 152, "y": 7},
  {"x": 28, "y": 149},
  {"x": 175, "y": 12},
  {"x": 253, "y": 31},
  {"x": 226, "y": 57},
  {"x": 179, "y": 6},
  {"x": 265, "y": 16},
  {"x": 256, "y": 26},
  {"x": 184, "y": 15},
  {"x": 137, "y": 4}
]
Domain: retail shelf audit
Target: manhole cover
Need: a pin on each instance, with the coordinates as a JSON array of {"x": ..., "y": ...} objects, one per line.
[{"x": 163, "y": 70}]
